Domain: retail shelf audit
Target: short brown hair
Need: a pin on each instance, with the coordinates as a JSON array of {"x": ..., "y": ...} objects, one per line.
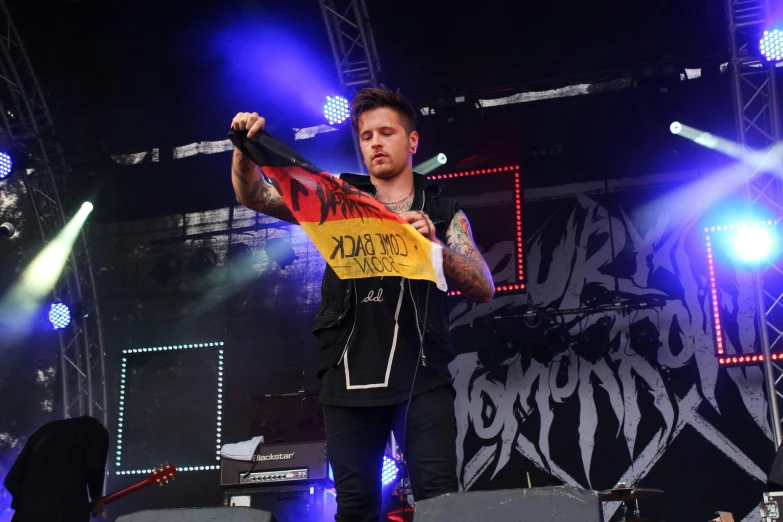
[{"x": 371, "y": 98}]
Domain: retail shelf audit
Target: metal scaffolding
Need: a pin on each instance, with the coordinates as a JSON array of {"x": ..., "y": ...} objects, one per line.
[
  {"x": 353, "y": 48},
  {"x": 757, "y": 114},
  {"x": 352, "y": 42},
  {"x": 28, "y": 125}
]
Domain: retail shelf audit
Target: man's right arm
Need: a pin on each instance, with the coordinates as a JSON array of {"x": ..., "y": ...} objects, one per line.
[{"x": 250, "y": 187}]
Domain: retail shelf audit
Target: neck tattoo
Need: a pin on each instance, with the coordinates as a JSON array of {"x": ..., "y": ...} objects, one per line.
[
  {"x": 406, "y": 196},
  {"x": 401, "y": 205}
]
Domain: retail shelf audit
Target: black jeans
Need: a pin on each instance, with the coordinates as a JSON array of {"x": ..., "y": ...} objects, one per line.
[{"x": 356, "y": 439}]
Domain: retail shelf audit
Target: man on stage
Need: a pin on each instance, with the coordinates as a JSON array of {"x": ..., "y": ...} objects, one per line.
[{"x": 384, "y": 346}]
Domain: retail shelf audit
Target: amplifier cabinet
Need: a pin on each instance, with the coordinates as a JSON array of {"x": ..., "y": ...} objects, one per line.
[
  {"x": 313, "y": 502},
  {"x": 277, "y": 464}
]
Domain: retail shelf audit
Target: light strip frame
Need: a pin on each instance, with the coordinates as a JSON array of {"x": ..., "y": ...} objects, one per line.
[
  {"x": 744, "y": 360},
  {"x": 121, "y": 406},
  {"x": 718, "y": 331},
  {"x": 520, "y": 269}
]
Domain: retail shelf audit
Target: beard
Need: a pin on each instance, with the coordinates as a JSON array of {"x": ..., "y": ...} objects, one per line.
[{"x": 387, "y": 169}]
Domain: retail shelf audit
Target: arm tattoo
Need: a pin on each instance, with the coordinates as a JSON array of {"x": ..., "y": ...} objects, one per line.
[
  {"x": 245, "y": 168},
  {"x": 261, "y": 198},
  {"x": 266, "y": 200},
  {"x": 463, "y": 263}
]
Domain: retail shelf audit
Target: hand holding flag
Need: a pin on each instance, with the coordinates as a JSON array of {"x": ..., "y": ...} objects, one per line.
[{"x": 356, "y": 234}]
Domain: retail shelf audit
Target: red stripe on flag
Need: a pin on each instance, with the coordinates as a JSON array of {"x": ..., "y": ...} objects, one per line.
[{"x": 322, "y": 197}]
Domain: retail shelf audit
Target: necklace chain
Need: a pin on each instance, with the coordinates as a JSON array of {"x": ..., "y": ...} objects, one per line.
[{"x": 397, "y": 201}]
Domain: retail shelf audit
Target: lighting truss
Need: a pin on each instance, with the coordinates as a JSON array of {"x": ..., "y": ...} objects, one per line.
[
  {"x": 353, "y": 48},
  {"x": 351, "y": 39},
  {"x": 121, "y": 405},
  {"x": 27, "y": 122},
  {"x": 757, "y": 115}
]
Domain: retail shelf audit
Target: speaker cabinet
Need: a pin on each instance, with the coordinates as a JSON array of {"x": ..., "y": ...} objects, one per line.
[
  {"x": 561, "y": 504},
  {"x": 219, "y": 514}
]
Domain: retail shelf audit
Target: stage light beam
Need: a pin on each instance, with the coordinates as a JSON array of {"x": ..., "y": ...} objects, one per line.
[
  {"x": 710, "y": 190},
  {"x": 42, "y": 274},
  {"x": 763, "y": 160},
  {"x": 23, "y": 299}
]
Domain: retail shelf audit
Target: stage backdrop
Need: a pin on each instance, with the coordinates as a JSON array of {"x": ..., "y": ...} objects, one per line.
[{"x": 668, "y": 417}]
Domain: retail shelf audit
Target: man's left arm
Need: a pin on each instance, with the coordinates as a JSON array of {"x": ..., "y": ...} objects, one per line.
[{"x": 463, "y": 263}]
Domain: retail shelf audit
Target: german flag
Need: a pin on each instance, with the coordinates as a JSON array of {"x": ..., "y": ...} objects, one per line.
[{"x": 356, "y": 234}]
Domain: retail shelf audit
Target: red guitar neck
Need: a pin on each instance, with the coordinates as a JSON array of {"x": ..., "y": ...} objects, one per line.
[
  {"x": 158, "y": 476},
  {"x": 111, "y": 497}
]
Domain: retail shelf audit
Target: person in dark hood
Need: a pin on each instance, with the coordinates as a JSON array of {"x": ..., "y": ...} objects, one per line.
[{"x": 59, "y": 464}]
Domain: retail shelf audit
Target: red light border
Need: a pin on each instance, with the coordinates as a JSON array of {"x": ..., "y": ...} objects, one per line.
[
  {"x": 517, "y": 286},
  {"x": 498, "y": 288},
  {"x": 745, "y": 358}
]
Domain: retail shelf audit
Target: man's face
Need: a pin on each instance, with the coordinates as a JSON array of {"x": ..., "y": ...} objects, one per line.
[{"x": 386, "y": 146}]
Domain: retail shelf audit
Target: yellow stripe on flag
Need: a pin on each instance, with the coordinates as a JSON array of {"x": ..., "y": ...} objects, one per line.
[{"x": 372, "y": 247}]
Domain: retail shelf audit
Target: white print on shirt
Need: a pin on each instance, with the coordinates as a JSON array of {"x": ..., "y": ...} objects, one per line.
[
  {"x": 385, "y": 382},
  {"x": 372, "y": 298}
]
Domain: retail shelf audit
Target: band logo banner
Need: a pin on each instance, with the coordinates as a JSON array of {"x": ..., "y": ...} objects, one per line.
[{"x": 357, "y": 235}]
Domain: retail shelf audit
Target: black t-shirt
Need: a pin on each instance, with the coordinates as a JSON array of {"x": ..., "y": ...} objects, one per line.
[{"x": 380, "y": 348}]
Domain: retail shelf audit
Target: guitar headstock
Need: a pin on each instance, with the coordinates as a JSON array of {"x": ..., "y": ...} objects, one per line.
[{"x": 162, "y": 474}]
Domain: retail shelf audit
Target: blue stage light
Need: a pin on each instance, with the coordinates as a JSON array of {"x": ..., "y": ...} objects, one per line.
[
  {"x": 336, "y": 110},
  {"x": 6, "y": 165},
  {"x": 59, "y": 315},
  {"x": 390, "y": 471},
  {"x": 753, "y": 243},
  {"x": 771, "y": 45}
]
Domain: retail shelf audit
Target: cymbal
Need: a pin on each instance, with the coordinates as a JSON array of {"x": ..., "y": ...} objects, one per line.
[{"x": 626, "y": 494}]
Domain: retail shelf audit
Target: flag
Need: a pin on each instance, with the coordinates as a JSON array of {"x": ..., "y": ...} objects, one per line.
[{"x": 356, "y": 234}]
